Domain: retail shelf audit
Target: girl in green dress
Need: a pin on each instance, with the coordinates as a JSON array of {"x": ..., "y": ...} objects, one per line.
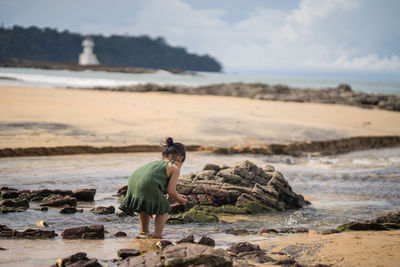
[{"x": 148, "y": 185}]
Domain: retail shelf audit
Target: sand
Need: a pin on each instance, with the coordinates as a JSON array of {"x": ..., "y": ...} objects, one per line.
[
  {"x": 31, "y": 117},
  {"x": 364, "y": 248}
]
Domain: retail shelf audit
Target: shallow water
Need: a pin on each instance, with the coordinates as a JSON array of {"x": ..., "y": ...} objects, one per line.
[{"x": 342, "y": 188}]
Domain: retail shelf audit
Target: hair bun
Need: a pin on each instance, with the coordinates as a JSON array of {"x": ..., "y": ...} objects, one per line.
[{"x": 170, "y": 141}]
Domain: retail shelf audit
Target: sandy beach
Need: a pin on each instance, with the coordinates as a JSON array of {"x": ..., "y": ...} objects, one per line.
[{"x": 32, "y": 117}]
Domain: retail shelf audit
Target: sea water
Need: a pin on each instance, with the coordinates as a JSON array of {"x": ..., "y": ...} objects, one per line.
[
  {"x": 90, "y": 79},
  {"x": 354, "y": 186}
]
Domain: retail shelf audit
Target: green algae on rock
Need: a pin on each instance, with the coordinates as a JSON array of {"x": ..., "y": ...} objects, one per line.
[{"x": 389, "y": 221}]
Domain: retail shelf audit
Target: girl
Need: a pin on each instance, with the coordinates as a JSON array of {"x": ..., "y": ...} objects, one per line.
[{"x": 148, "y": 184}]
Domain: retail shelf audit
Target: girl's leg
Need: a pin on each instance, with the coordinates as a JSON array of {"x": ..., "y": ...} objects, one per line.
[
  {"x": 144, "y": 221},
  {"x": 159, "y": 225}
]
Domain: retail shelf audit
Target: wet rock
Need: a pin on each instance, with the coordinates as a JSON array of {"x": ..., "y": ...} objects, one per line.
[
  {"x": 42, "y": 209},
  {"x": 15, "y": 204},
  {"x": 1, "y": 248},
  {"x": 385, "y": 222},
  {"x": 95, "y": 231},
  {"x": 122, "y": 191},
  {"x": 28, "y": 233},
  {"x": 196, "y": 216},
  {"x": 206, "y": 241},
  {"x": 243, "y": 247},
  {"x": 79, "y": 259},
  {"x": 185, "y": 254},
  {"x": 163, "y": 244},
  {"x": 188, "y": 239},
  {"x": 330, "y": 231},
  {"x": 42, "y": 223},
  {"x": 175, "y": 220},
  {"x": 68, "y": 210},
  {"x": 120, "y": 234},
  {"x": 235, "y": 231},
  {"x": 127, "y": 252},
  {"x": 103, "y": 210},
  {"x": 286, "y": 262},
  {"x": 59, "y": 200},
  {"x": 269, "y": 231},
  {"x": 84, "y": 194}
]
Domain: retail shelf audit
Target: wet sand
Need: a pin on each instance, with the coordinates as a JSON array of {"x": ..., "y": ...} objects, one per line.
[
  {"x": 364, "y": 248},
  {"x": 46, "y": 117}
]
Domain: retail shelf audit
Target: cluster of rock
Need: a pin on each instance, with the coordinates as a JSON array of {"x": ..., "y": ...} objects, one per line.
[
  {"x": 15, "y": 200},
  {"x": 78, "y": 259},
  {"x": 95, "y": 231},
  {"x": 29, "y": 233},
  {"x": 385, "y": 222},
  {"x": 342, "y": 94}
]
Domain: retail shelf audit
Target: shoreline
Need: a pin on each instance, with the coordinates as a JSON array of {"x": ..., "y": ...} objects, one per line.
[{"x": 311, "y": 148}]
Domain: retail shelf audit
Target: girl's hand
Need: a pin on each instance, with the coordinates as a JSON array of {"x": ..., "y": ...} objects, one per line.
[{"x": 183, "y": 201}]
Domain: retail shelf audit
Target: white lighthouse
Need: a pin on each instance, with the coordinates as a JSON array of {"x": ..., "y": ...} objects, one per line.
[{"x": 87, "y": 57}]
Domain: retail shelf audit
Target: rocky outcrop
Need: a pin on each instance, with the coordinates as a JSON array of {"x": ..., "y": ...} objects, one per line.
[
  {"x": 385, "y": 222},
  {"x": 342, "y": 94},
  {"x": 185, "y": 254},
  {"x": 59, "y": 200},
  {"x": 85, "y": 194},
  {"x": 10, "y": 205},
  {"x": 29, "y": 233},
  {"x": 242, "y": 188},
  {"x": 95, "y": 231},
  {"x": 78, "y": 259}
]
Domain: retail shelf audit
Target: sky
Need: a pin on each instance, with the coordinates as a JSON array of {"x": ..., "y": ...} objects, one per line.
[{"x": 245, "y": 36}]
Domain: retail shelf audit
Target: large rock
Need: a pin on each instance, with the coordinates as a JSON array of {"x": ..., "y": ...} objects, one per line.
[
  {"x": 95, "y": 231},
  {"x": 103, "y": 210},
  {"x": 28, "y": 233},
  {"x": 243, "y": 185},
  {"x": 385, "y": 222},
  {"x": 185, "y": 254},
  {"x": 59, "y": 200}
]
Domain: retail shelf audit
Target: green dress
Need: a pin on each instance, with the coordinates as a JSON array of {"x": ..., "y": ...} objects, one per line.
[{"x": 146, "y": 189}]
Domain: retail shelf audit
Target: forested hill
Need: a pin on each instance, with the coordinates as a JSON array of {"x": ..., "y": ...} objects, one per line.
[{"x": 51, "y": 45}]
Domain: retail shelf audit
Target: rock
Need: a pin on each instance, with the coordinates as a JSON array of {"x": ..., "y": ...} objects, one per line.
[
  {"x": 269, "y": 231},
  {"x": 42, "y": 209},
  {"x": 15, "y": 204},
  {"x": 330, "y": 231},
  {"x": 235, "y": 231},
  {"x": 1, "y": 248},
  {"x": 385, "y": 222},
  {"x": 79, "y": 259},
  {"x": 163, "y": 244},
  {"x": 185, "y": 254},
  {"x": 103, "y": 210},
  {"x": 84, "y": 194},
  {"x": 206, "y": 241},
  {"x": 120, "y": 234},
  {"x": 122, "y": 191},
  {"x": 188, "y": 239},
  {"x": 127, "y": 252},
  {"x": 59, "y": 200},
  {"x": 196, "y": 216},
  {"x": 28, "y": 233},
  {"x": 243, "y": 247},
  {"x": 42, "y": 223},
  {"x": 211, "y": 166},
  {"x": 68, "y": 210},
  {"x": 95, "y": 231}
]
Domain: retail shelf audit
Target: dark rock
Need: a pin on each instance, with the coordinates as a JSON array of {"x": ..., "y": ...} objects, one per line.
[
  {"x": 269, "y": 231},
  {"x": 286, "y": 262},
  {"x": 68, "y": 210},
  {"x": 1, "y": 248},
  {"x": 15, "y": 203},
  {"x": 385, "y": 222},
  {"x": 84, "y": 194},
  {"x": 330, "y": 231},
  {"x": 188, "y": 239},
  {"x": 206, "y": 241},
  {"x": 163, "y": 244},
  {"x": 392, "y": 217},
  {"x": 199, "y": 217},
  {"x": 235, "y": 231},
  {"x": 127, "y": 252},
  {"x": 210, "y": 166},
  {"x": 120, "y": 234},
  {"x": 79, "y": 259},
  {"x": 59, "y": 200},
  {"x": 42, "y": 208},
  {"x": 29, "y": 233},
  {"x": 103, "y": 210},
  {"x": 122, "y": 191},
  {"x": 243, "y": 247},
  {"x": 185, "y": 254},
  {"x": 95, "y": 231}
]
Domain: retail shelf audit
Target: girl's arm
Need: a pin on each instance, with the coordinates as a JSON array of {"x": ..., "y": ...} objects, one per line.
[{"x": 173, "y": 180}]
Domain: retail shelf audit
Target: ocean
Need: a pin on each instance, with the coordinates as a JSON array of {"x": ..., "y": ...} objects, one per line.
[{"x": 90, "y": 79}]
